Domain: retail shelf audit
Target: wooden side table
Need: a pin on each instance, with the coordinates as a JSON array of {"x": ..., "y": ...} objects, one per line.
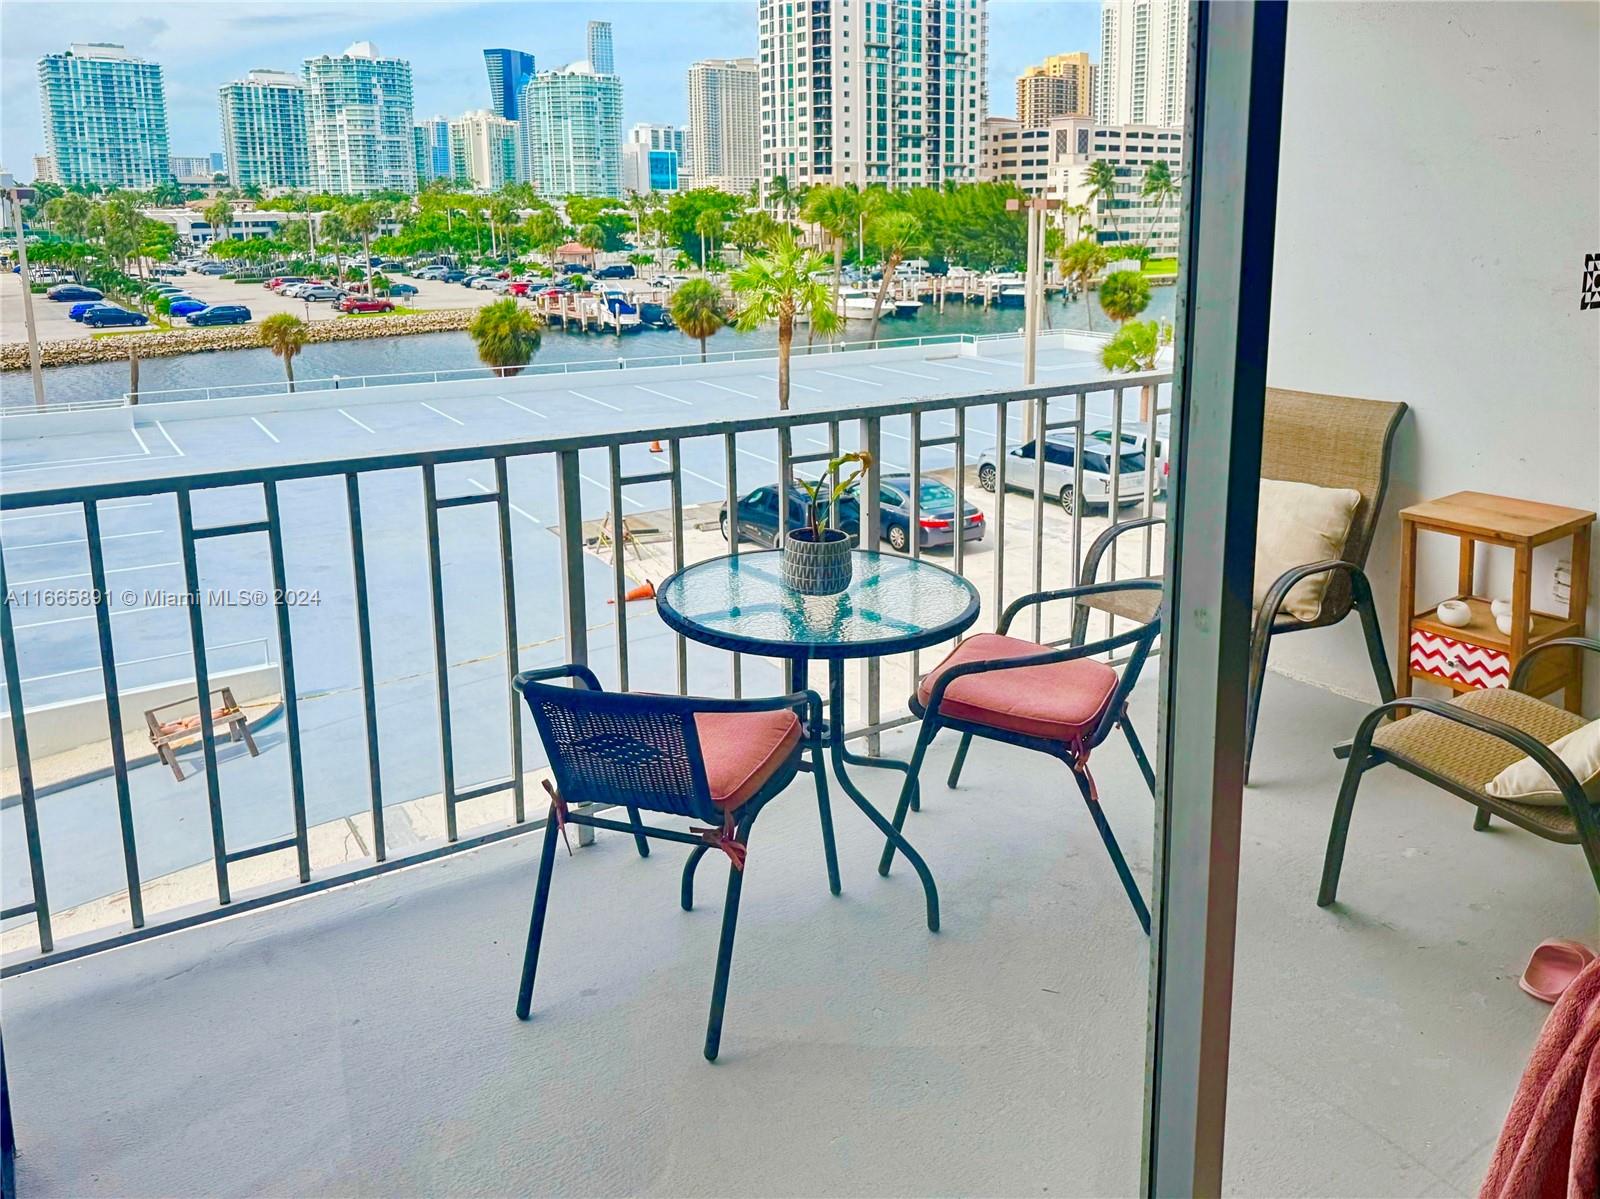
[{"x": 1478, "y": 654}]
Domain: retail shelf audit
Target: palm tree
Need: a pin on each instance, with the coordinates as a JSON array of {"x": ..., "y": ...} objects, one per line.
[
  {"x": 780, "y": 193},
  {"x": 897, "y": 234},
  {"x": 780, "y": 285},
  {"x": 1102, "y": 181},
  {"x": 593, "y": 239},
  {"x": 285, "y": 335},
  {"x": 706, "y": 227},
  {"x": 362, "y": 220},
  {"x": 1124, "y": 295},
  {"x": 507, "y": 335},
  {"x": 1083, "y": 260},
  {"x": 219, "y": 215},
  {"x": 1134, "y": 348},
  {"x": 833, "y": 209},
  {"x": 501, "y": 213},
  {"x": 1160, "y": 185},
  {"x": 334, "y": 232},
  {"x": 697, "y": 310}
]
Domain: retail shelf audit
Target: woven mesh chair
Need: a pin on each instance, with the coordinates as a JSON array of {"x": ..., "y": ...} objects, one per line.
[
  {"x": 1460, "y": 745},
  {"x": 1328, "y": 441},
  {"x": 715, "y": 760},
  {"x": 1061, "y": 702}
]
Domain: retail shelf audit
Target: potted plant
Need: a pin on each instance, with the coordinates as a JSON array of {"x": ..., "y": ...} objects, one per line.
[{"x": 816, "y": 556}]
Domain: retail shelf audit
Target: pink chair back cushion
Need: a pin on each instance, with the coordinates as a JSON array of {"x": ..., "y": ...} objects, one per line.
[
  {"x": 743, "y": 750},
  {"x": 1061, "y": 701}
]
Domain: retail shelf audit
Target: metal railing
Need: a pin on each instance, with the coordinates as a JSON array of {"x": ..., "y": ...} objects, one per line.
[{"x": 1047, "y": 409}]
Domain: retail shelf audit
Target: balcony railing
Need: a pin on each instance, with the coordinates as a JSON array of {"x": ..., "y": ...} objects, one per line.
[{"x": 945, "y": 424}]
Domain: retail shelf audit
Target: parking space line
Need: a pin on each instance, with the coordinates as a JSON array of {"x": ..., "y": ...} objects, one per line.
[
  {"x": 39, "y": 624},
  {"x": 626, "y": 498},
  {"x": 83, "y": 574},
  {"x": 592, "y": 400},
  {"x": 265, "y": 430},
  {"x": 72, "y": 511},
  {"x": 763, "y": 457},
  {"x": 889, "y": 370},
  {"x": 524, "y": 407},
  {"x": 28, "y": 468},
  {"x": 175, "y": 448},
  {"x": 950, "y": 366},
  {"x": 43, "y": 545},
  {"x": 792, "y": 383},
  {"x": 446, "y": 415},
  {"x": 664, "y": 395},
  {"x": 520, "y": 512},
  {"x": 685, "y": 470},
  {"x": 134, "y": 429},
  {"x": 732, "y": 390},
  {"x": 355, "y": 422},
  {"x": 851, "y": 378}
]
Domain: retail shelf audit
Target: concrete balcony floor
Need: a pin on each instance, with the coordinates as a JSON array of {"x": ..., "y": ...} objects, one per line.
[{"x": 362, "y": 1042}]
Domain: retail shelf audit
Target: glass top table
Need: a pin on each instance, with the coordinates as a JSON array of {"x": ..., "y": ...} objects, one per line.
[{"x": 893, "y": 605}]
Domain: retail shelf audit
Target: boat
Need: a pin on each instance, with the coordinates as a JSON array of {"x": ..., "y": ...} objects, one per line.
[
  {"x": 1011, "y": 293},
  {"x": 657, "y": 316},
  {"x": 856, "y": 302},
  {"x": 907, "y": 308}
]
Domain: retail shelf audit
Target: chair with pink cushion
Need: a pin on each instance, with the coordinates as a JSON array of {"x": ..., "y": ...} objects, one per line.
[
  {"x": 715, "y": 760},
  {"x": 1062, "y": 702}
]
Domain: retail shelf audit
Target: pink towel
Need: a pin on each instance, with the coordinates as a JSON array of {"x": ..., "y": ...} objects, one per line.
[{"x": 1550, "y": 1145}]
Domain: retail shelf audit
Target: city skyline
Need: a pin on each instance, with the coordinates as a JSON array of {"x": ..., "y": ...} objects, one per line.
[{"x": 444, "y": 43}]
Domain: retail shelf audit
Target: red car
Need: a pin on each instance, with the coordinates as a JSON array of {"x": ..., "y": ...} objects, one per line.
[
  {"x": 519, "y": 288},
  {"x": 358, "y": 304}
]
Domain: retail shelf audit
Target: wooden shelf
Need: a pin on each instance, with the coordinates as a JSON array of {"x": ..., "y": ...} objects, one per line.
[{"x": 1482, "y": 629}]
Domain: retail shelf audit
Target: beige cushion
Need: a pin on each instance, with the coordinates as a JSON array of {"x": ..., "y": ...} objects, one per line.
[
  {"x": 1525, "y": 781},
  {"x": 1300, "y": 523}
]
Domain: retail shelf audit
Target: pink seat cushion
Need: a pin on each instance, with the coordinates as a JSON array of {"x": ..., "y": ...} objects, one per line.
[
  {"x": 1060, "y": 701},
  {"x": 743, "y": 750}
]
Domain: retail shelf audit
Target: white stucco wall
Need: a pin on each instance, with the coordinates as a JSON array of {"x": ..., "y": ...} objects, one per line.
[{"x": 1440, "y": 185}]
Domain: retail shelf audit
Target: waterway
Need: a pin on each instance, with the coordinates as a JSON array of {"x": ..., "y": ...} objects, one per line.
[{"x": 454, "y": 351}]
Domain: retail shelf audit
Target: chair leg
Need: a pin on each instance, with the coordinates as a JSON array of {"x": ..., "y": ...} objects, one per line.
[
  {"x": 686, "y": 887},
  {"x": 541, "y": 900},
  {"x": 639, "y": 839},
  {"x": 1138, "y": 753},
  {"x": 1108, "y": 838},
  {"x": 730, "y": 924},
  {"x": 1260, "y": 643},
  {"x": 830, "y": 854},
  {"x": 1480, "y": 821},
  {"x": 961, "y": 760},
  {"x": 1334, "y": 860},
  {"x": 924, "y": 738},
  {"x": 1361, "y": 599}
]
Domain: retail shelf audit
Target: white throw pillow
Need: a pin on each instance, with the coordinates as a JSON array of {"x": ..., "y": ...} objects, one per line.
[
  {"x": 1525, "y": 781},
  {"x": 1300, "y": 523}
]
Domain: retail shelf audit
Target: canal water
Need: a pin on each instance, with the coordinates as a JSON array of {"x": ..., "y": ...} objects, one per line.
[{"x": 454, "y": 351}]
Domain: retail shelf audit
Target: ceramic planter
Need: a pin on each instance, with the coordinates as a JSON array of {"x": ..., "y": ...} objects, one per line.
[{"x": 814, "y": 567}]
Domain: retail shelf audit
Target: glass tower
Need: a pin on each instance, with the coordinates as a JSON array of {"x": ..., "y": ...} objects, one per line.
[
  {"x": 358, "y": 116},
  {"x": 264, "y": 130},
  {"x": 571, "y": 132},
  {"x": 509, "y": 71},
  {"x": 105, "y": 117},
  {"x": 600, "y": 56}
]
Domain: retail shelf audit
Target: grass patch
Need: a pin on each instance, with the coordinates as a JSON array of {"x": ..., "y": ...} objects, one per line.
[
  {"x": 399, "y": 311},
  {"x": 1161, "y": 266}
]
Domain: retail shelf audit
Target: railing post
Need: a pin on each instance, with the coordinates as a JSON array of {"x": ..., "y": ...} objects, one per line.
[
  {"x": 871, "y": 532},
  {"x": 569, "y": 516}
]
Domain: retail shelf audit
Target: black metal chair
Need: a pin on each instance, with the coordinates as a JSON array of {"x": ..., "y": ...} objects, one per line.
[
  {"x": 1065, "y": 706},
  {"x": 716, "y": 760}
]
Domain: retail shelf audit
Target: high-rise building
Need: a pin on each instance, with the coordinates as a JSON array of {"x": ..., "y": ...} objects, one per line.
[
  {"x": 190, "y": 168},
  {"x": 219, "y": 163},
  {"x": 264, "y": 135},
  {"x": 890, "y": 92},
  {"x": 652, "y": 159},
  {"x": 1061, "y": 86},
  {"x": 431, "y": 149},
  {"x": 600, "y": 55},
  {"x": 508, "y": 71},
  {"x": 725, "y": 115},
  {"x": 1143, "y": 62},
  {"x": 358, "y": 117},
  {"x": 1128, "y": 216},
  {"x": 571, "y": 131},
  {"x": 483, "y": 150},
  {"x": 105, "y": 117},
  {"x": 44, "y": 169}
]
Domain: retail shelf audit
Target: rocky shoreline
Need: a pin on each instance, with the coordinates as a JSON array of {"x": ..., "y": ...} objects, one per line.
[{"x": 14, "y": 356}]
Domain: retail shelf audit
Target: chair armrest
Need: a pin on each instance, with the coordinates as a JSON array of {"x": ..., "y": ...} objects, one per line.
[
  {"x": 1044, "y": 597},
  {"x": 1520, "y": 675},
  {"x": 1566, "y": 782},
  {"x": 1145, "y": 633},
  {"x": 1284, "y": 583},
  {"x": 567, "y": 670},
  {"x": 806, "y": 704},
  {"x": 1099, "y": 546}
]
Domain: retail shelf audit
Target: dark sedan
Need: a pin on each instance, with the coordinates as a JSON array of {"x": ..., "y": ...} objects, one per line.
[
  {"x": 62, "y": 292},
  {"x": 758, "y": 514},
  {"x": 105, "y": 315},
  {"x": 220, "y": 314}
]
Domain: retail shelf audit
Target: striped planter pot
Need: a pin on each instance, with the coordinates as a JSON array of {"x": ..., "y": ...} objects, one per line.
[
  {"x": 1459, "y": 661},
  {"x": 817, "y": 567}
]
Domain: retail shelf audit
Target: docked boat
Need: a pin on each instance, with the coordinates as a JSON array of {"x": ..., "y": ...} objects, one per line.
[
  {"x": 907, "y": 308},
  {"x": 856, "y": 303},
  {"x": 1011, "y": 295}
]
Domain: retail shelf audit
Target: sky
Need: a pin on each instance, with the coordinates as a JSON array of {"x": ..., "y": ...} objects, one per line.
[{"x": 204, "y": 45}]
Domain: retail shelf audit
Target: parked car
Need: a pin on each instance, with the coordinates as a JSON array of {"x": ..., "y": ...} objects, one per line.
[
  {"x": 453, "y": 276},
  {"x": 211, "y": 268},
  {"x": 758, "y": 514},
  {"x": 1137, "y": 436},
  {"x": 320, "y": 291},
  {"x": 279, "y": 282},
  {"x": 402, "y": 290},
  {"x": 430, "y": 272},
  {"x": 574, "y": 268},
  {"x": 186, "y": 306},
  {"x": 518, "y": 287},
  {"x": 82, "y": 306},
  {"x": 621, "y": 270},
  {"x": 220, "y": 314},
  {"x": 169, "y": 272},
  {"x": 62, "y": 292},
  {"x": 363, "y": 304},
  {"x": 103, "y": 315},
  {"x": 1059, "y": 466}
]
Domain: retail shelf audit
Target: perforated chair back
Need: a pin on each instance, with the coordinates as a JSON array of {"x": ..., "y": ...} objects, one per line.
[{"x": 615, "y": 748}]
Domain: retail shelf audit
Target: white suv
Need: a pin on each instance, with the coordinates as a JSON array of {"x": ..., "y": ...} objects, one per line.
[{"x": 1059, "y": 452}]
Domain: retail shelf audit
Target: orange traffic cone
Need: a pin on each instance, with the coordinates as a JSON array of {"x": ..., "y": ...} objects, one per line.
[
  {"x": 655, "y": 447},
  {"x": 645, "y": 590}
]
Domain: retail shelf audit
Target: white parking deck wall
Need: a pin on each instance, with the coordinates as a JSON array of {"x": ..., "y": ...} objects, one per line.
[{"x": 1432, "y": 228}]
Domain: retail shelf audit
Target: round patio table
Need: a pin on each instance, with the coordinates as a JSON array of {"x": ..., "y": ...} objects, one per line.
[{"x": 893, "y": 605}]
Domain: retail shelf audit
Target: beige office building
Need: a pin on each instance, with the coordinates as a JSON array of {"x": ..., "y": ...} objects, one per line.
[
  {"x": 1061, "y": 86},
  {"x": 725, "y": 123}
]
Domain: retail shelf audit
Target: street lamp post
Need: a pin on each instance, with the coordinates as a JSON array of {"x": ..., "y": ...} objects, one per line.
[
  {"x": 1037, "y": 208},
  {"x": 17, "y": 195}
]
